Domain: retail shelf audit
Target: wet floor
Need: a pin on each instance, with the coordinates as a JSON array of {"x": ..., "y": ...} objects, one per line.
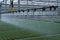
[{"x": 48, "y": 27}]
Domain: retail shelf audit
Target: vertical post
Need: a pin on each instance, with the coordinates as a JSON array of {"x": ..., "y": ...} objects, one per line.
[
  {"x": 0, "y": 12},
  {"x": 33, "y": 9},
  {"x": 5, "y": 1},
  {"x": 19, "y": 5},
  {"x": 12, "y": 5},
  {"x": 58, "y": 10},
  {"x": 27, "y": 9},
  {"x": 57, "y": 2}
]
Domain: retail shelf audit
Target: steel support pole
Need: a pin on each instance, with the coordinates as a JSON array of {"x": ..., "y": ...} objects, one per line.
[
  {"x": 33, "y": 9},
  {"x": 27, "y": 9},
  {"x": 0, "y": 11},
  {"x": 58, "y": 9},
  {"x": 5, "y": 1},
  {"x": 6, "y": 4},
  {"x": 18, "y": 5}
]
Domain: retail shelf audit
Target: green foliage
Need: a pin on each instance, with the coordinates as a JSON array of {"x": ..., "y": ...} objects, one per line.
[{"x": 10, "y": 32}]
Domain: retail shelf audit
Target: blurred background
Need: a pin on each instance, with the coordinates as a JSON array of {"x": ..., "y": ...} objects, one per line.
[{"x": 29, "y": 19}]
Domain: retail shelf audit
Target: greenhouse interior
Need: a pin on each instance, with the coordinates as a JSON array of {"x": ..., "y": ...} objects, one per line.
[{"x": 29, "y": 19}]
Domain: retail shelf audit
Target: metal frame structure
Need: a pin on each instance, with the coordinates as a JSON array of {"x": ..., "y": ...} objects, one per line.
[
  {"x": 32, "y": 8},
  {"x": 43, "y": 8}
]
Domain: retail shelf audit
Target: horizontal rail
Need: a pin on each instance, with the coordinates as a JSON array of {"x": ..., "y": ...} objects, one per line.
[{"x": 34, "y": 9}]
